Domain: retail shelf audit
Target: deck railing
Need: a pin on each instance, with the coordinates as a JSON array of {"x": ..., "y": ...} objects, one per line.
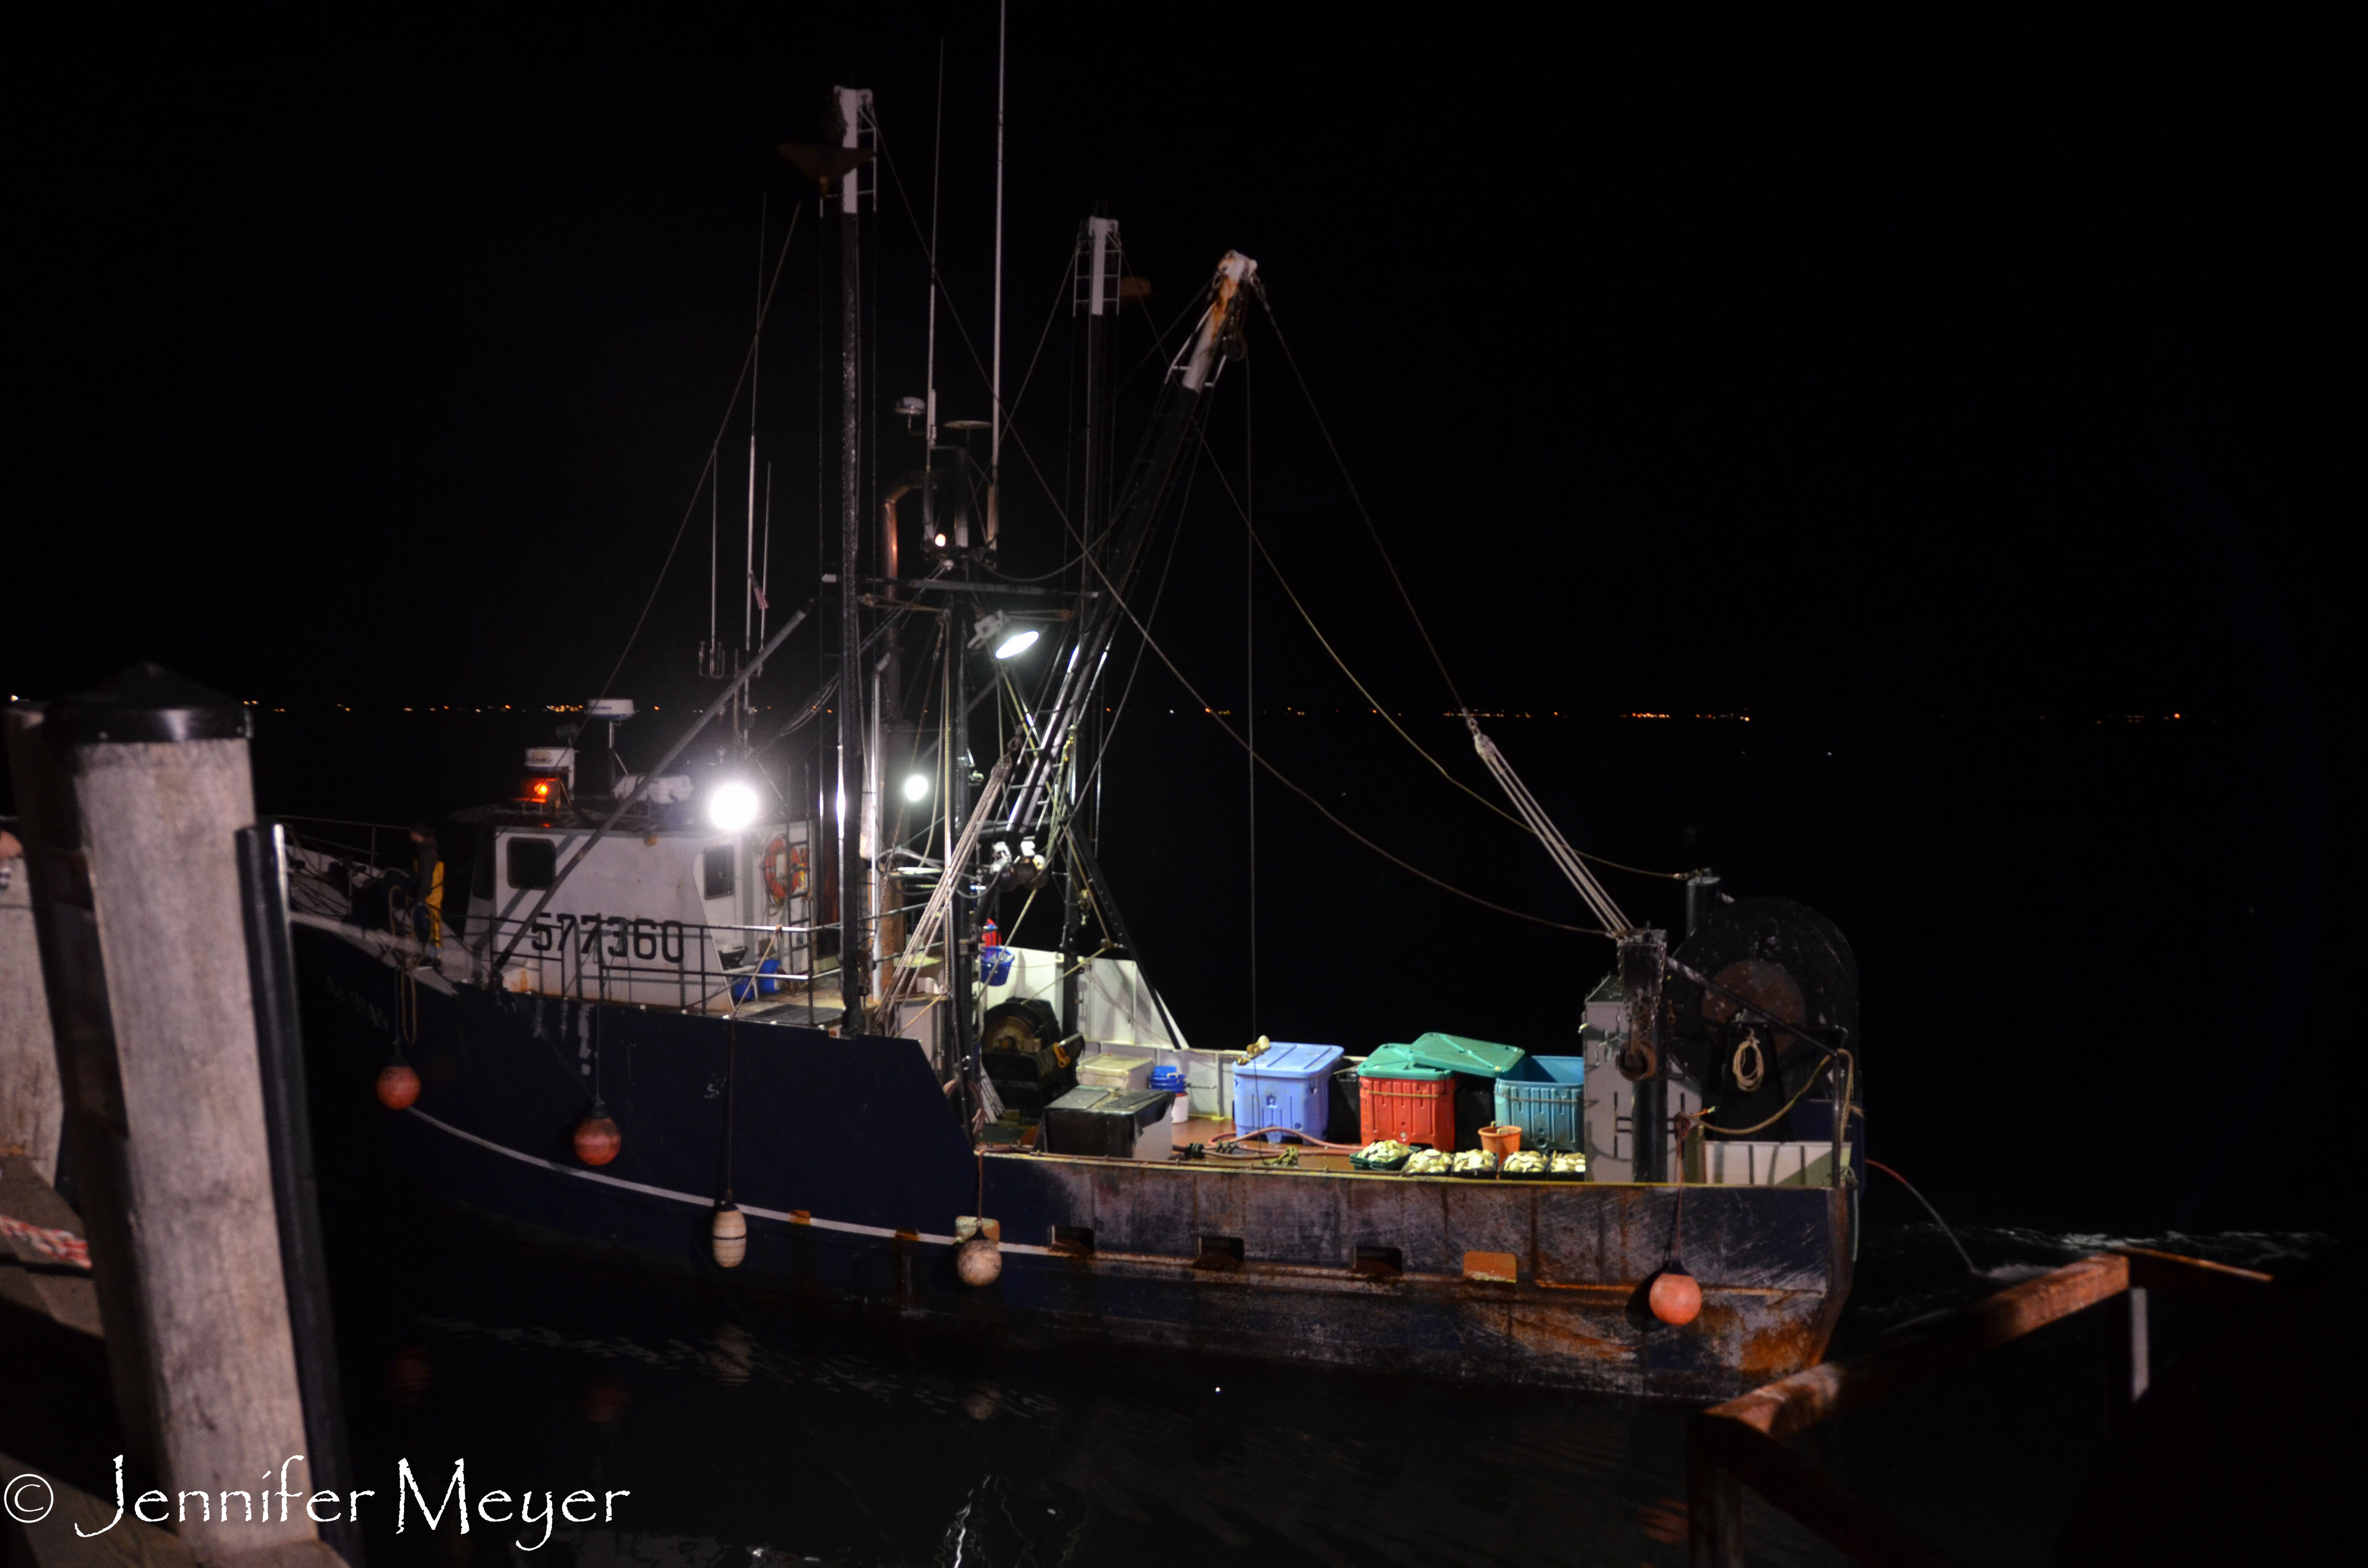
[
  {"x": 1741, "y": 1443},
  {"x": 693, "y": 966},
  {"x": 635, "y": 958}
]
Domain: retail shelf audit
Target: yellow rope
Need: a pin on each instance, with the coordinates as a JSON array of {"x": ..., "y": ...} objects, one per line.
[{"x": 1697, "y": 1120}]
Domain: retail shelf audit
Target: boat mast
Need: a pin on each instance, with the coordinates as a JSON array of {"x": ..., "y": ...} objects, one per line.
[
  {"x": 994, "y": 391},
  {"x": 1137, "y": 508},
  {"x": 853, "y": 968},
  {"x": 741, "y": 715},
  {"x": 930, "y": 363},
  {"x": 1099, "y": 238}
]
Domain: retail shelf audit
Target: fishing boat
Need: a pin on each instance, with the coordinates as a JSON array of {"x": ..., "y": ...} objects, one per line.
[{"x": 742, "y": 1013}]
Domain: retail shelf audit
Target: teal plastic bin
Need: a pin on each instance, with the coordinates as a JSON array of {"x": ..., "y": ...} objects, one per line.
[
  {"x": 1544, "y": 1098},
  {"x": 1473, "y": 1064},
  {"x": 1461, "y": 1053}
]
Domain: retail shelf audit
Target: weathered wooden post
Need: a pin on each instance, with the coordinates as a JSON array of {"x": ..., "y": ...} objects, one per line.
[
  {"x": 133, "y": 797},
  {"x": 30, "y": 1100}
]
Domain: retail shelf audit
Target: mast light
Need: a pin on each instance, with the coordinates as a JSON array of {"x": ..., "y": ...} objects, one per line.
[
  {"x": 917, "y": 787},
  {"x": 1017, "y": 642},
  {"x": 731, "y": 806}
]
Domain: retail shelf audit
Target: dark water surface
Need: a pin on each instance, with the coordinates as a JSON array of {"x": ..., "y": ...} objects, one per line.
[
  {"x": 2049, "y": 916},
  {"x": 747, "y": 1430}
]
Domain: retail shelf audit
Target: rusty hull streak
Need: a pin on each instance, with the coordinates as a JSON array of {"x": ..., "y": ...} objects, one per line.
[{"x": 1773, "y": 1265}]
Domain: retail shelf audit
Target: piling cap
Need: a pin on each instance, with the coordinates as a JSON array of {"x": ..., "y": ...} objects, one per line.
[{"x": 148, "y": 702}]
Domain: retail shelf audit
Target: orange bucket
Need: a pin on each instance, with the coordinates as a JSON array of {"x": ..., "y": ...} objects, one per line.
[{"x": 1501, "y": 1140}]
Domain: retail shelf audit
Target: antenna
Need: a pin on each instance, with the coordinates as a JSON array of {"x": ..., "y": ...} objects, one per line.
[
  {"x": 765, "y": 571},
  {"x": 707, "y": 658},
  {"x": 756, "y": 352},
  {"x": 995, "y": 392},
  {"x": 936, "y": 158}
]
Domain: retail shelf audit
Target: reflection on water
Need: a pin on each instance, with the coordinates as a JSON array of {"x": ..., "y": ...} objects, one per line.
[{"x": 748, "y": 1433}]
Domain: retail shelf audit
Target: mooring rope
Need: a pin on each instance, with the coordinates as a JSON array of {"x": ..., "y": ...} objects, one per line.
[{"x": 62, "y": 1246}]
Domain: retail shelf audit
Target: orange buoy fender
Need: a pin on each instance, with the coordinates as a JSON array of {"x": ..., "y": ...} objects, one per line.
[
  {"x": 1676, "y": 1298},
  {"x": 979, "y": 1261},
  {"x": 397, "y": 1086},
  {"x": 598, "y": 1138},
  {"x": 728, "y": 1235}
]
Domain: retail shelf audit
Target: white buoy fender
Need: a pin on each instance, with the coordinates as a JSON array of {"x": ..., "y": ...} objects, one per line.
[
  {"x": 979, "y": 1261},
  {"x": 728, "y": 1234}
]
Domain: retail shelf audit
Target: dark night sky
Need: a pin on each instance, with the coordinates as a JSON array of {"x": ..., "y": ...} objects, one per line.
[
  {"x": 1968, "y": 371},
  {"x": 1818, "y": 373}
]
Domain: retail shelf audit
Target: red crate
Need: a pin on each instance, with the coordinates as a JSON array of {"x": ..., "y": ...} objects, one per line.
[{"x": 1413, "y": 1110}]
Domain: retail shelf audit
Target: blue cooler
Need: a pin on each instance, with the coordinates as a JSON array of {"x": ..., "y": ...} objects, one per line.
[
  {"x": 1544, "y": 1096},
  {"x": 1286, "y": 1086},
  {"x": 1172, "y": 1081}
]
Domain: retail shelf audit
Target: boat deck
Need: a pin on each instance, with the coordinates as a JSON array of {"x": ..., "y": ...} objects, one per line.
[{"x": 1208, "y": 1131}]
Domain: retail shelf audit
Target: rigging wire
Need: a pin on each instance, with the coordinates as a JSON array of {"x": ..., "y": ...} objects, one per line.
[
  {"x": 1159, "y": 350},
  {"x": 1557, "y": 847},
  {"x": 1259, "y": 285},
  {"x": 1547, "y": 833},
  {"x": 1249, "y": 659},
  {"x": 1068, "y": 819},
  {"x": 1387, "y": 717},
  {"x": 708, "y": 471},
  {"x": 1323, "y": 811},
  {"x": 1069, "y": 525},
  {"x": 1068, "y": 277},
  {"x": 970, "y": 345},
  {"x": 712, "y": 492}
]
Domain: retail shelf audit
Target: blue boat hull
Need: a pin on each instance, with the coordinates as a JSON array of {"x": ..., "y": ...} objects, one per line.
[{"x": 853, "y": 1169}]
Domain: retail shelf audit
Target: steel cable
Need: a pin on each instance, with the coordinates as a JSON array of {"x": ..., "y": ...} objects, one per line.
[
  {"x": 707, "y": 471},
  {"x": 1387, "y": 717},
  {"x": 1069, "y": 526}
]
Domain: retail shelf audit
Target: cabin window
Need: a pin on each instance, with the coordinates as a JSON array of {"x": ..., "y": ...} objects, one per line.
[
  {"x": 533, "y": 863},
  {"x": 715, "y": 870}
]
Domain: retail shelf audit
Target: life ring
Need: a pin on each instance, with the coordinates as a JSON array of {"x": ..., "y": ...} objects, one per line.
[{"x": 776, "y": 869}]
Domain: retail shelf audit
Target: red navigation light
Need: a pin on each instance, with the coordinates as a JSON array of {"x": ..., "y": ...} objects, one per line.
[{"x": 542, "y": 788}]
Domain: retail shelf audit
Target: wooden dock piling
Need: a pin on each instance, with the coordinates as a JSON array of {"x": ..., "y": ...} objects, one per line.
[
  {"x": 30, "y": 1100},
  {"x": 132, "y": 796}
]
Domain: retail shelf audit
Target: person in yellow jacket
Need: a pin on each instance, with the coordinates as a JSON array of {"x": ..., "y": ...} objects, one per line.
[{"x": 427, "y": 887}]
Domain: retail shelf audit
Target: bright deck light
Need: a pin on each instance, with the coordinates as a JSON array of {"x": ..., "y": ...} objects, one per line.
[
  {"x": 731, "y": 806},
  {"x": 917, "y": 787},
  {"x": 1017, "y": 644}
]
